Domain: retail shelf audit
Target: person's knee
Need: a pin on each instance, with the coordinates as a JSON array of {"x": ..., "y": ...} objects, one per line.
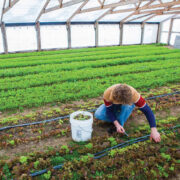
[{"x": 97, "y": 114}]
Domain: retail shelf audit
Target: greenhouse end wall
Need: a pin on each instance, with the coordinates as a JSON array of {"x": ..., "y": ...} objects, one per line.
[
  {"x": 23, "y": 38},
  {"x": 174, "y": 32}
]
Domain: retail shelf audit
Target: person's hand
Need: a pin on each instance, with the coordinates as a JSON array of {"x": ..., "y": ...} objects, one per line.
[
  {"x": 155, "y": 135},
  {"x": 119, "y": 128}
]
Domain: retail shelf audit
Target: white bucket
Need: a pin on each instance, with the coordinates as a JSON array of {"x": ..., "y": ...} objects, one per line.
[{"x": 81, "y": 129}]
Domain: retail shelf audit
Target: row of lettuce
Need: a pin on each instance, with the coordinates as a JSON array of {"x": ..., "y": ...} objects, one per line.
[
  {"x": 79, "y": 89},
  {"x": 49, "y": 78},
  {"x": 13, "y": 72},
  {"x": 85, "y": 57},
  {"x": 34, "y": 81},
  {"x": 92, "y": 104},
  {"x": 72, "y": 51}
]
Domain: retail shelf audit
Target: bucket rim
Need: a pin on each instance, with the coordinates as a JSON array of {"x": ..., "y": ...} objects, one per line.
[{"x": 72, "y": 115}]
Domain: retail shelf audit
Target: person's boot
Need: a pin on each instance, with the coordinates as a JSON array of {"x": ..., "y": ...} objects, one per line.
[{"x": 112, "y": 129}]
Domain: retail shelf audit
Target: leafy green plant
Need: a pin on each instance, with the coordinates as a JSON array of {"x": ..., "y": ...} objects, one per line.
[
  {"x": 60, "y": 122},
  {"x": 112, "y": 141},
  {"x": 112, "y": 153},
  {"x": 57, "y": 160},
  {"x": 89, "y": 145},
  {"x": 47, "y": 175},
  {"x": 36, "y": 163},
  {"x": 23, "y": 159},
  {"x": 6, "y": 173},
  {"x": 85, "y": 158},
  {"x": 166, "y": 156},
  {"x": 65, "y": 148},
  {"x": 12, "y": 142},
  {"x": 171, "y": 168}
]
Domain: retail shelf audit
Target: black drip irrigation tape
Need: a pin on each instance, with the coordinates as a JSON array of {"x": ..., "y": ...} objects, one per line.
[
  {"x": 67, "y": 116},
  {"x": 106, "y": 151}
]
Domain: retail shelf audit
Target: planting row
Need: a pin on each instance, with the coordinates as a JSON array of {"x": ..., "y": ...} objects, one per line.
[
  {"x": 71, "y": 51},
  {"x": 16, "y": 136},
  {"x": 73, "y": 161},
  {"x": 89, "y": 105},
  {"x": 69, "y": 91},
  {"x": 105, "y": 55},
  {"x": 81, "y": 65},
  {"x": 91, "y": 73}
]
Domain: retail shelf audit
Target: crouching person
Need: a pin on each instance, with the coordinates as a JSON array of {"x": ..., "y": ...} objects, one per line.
[{"x": 119, "y": 102}]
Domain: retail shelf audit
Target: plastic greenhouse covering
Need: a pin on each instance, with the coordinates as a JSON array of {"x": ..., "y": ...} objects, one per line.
[{"x": 54, "y": 34}]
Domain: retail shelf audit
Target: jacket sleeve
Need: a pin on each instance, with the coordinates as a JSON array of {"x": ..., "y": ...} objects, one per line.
[
  {"x": 109, "y": 110},
  {"x": 143, "y": 106}
]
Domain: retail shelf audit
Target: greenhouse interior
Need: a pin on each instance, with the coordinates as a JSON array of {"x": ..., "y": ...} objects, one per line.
[{"x": 90, "y": 89}]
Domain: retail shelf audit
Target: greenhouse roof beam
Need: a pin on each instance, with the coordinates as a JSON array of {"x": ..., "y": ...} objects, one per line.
[
  {"x": 78, "y": 10},
  {"x": 11, "y": 4},
  {"x": 149, "y": 7},
  {"x": 137, "y": 10},
  {"x": 127, "y": 17},
  {"x": 122, "y": 3},
  {"x": 42, "y": 10},
  {"x": 159, "y": 11},
  {"x": 101, "y": 3},
  {"x": 138, "y": 17},
  {"x": 173, "y": 16},
  {"x": 60, "y": 3},
  {"x": 67, "y": 4},
  {"x": 103, "y": 15},
  {"x": 149, "y": 18},
  {"x": 175, "y": 12},
  {"x": 3, "y": 11}
]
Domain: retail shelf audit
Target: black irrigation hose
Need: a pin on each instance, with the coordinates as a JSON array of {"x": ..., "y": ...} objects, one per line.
[
  {"x": 105, "y": 152},
  {"x": 67, "y": 116}
]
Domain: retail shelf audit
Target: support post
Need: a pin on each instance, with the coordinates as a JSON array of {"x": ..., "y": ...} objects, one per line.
[
  {"x": 68, "y": 26},
  {"x": 170, "y": 30},
  {"x": 96, "y": 34},
  {"x": 158, "y": 38},
  {"x": 142, "y": 33},
  {"x": 121, "y": 34},
  {"x": 38, "y": 36},
  {"x": 4, "y": 36}
]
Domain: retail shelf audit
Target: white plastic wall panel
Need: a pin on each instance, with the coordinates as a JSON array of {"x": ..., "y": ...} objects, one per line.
[
  {"x": 82, "y": 35},
  {"x": 21, "y": 38},
  {"x": 173, "y": 37},
  {"x": 108, "y": 35},
  {"x": 176, "y": 25},
  {"x": 166, "y": 25},
  {"x": 1, "y": 42},
  {"x": 150, "y": 33},
  {"x": 164, "y": 37},
  {"x": 54, "y": 36},
  {"x": 131, "y": 34}
]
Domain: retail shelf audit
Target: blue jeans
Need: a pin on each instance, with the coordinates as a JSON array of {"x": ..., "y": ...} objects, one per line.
[{"x": 122, "y": 113}]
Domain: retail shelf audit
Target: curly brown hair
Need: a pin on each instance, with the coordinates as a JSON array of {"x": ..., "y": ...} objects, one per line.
[{"x": 122, "y": 94}]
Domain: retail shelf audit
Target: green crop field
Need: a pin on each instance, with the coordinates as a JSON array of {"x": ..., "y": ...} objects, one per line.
[
  {"x": 36, "y": 79},
  {"x": 47, "y": 85}
]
